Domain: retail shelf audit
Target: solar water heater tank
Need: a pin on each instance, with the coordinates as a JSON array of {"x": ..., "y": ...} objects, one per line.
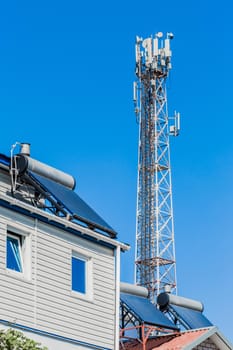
[
  {"x": 25, "y": 163},
  {"x": 166, "y": 299}
]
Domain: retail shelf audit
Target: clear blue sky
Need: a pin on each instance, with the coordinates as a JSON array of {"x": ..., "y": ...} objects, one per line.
[{"x": 66, "y": 74}]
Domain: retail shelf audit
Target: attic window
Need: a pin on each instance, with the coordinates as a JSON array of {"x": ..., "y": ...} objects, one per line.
[{"x": 14, "y": 260}]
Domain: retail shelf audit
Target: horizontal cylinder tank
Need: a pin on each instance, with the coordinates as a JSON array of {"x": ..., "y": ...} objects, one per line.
[
  {"x": 133, "y": 289},
  {"x": 25, "y": 163},
  {"x": 166, "y": 299}
]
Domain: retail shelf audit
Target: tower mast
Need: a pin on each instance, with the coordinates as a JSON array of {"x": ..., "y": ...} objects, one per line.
[{"x": 155, "y": 246}]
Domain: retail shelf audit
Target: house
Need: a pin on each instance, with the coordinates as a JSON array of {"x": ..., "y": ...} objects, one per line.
[{"x": 59, "y": 260}]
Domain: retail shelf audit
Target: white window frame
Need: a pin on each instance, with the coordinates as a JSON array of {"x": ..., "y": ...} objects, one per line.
[
  {"x": 88, "y": 295},
  {"x": 20, "y": 241},
  {"x": 24, "y": 240}
]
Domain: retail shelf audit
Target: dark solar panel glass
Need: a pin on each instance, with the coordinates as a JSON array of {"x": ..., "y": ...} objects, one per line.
[
  {"x": 73, "y": 203},
  {"x": 194, "y": 319},
  {"x": 4, "y": 159},
  {"x": 146, "y": 311}
]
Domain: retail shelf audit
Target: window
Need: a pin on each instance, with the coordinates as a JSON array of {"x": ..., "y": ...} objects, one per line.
[
  {"x": 18, "y": 253},
  {"x": 78, "y": 275},
  {"x": 14, "y": 253},
  {"x": 81, "y": 275}
]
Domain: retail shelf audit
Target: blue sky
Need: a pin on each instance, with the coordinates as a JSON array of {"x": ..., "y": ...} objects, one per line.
[{"x": 66, "y": 74}]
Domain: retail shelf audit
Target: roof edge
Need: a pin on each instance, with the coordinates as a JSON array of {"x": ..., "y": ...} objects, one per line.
[
  {"x": 210, "y": 332},
  {"x": 62, "y": 221},
  {"x": 222, "y": 338}
]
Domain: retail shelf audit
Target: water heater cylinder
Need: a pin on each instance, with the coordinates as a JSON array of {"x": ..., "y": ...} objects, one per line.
[
  {"x": 25, "y": 163},
  {"x": 133, "y": 289},
  {"x": 165, "y": 299}
]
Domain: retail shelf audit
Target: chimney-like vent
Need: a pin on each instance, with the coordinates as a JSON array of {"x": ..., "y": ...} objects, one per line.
[
  {"x": 167, "y": 288},
  {"x": 25, "y": 149}
]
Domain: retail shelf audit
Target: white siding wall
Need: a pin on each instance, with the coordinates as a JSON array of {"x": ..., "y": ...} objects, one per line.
[{"x": 45, "y": 301}]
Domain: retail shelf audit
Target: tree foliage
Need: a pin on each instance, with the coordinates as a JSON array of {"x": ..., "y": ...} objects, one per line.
[{"x": 11, "y": 339}]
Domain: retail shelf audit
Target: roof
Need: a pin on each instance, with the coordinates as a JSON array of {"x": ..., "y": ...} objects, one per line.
[
  {"x": 186, "y": 340},
  {"x": 75, "y": 206},
  {"x": 72, "y": 201},
  {"x": 183, "y": 340},
  {"x": 64, "y": 198}
]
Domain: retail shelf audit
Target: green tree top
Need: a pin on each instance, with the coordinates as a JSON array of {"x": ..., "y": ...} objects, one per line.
[{"x": 14, "y": 340}]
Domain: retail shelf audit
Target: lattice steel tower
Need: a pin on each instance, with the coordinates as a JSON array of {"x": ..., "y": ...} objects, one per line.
[{"x": 155, "y": 247}]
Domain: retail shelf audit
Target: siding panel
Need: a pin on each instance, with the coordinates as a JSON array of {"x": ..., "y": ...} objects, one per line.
[{"x": 63, "y": 308}]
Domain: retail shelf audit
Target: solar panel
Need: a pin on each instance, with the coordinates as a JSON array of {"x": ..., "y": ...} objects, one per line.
[
  {"x": 4, "y": 159},
  {"x": 73, "y": 203},
  {"x": 192, "y": 318},
  {"x": 146, "y": 311}
]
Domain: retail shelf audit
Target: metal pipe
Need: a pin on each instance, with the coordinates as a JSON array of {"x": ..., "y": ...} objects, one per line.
[{"x": 25, "y": 149}]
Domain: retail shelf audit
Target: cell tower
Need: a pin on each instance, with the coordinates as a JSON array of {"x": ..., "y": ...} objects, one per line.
[{"x": 155, "y": 247}]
